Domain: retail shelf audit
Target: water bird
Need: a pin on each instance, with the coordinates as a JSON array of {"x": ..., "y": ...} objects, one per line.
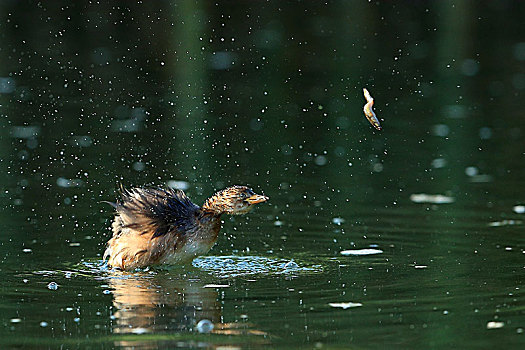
[
  {"x": 369, "y": 113},
  {"x": 156, "y": 225}
]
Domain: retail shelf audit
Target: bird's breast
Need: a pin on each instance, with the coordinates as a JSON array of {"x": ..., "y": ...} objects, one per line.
[{"x": 194, "y": 242}]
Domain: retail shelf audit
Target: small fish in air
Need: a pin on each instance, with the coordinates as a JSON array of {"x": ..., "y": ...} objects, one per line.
[{"x": 369, "y": 113}]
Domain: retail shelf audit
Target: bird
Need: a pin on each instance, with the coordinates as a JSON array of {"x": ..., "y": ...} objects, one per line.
[{"x": 161, "y": 225}]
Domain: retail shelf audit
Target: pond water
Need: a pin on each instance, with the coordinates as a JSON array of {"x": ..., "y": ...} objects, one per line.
[{"x": 409, "y": 237}]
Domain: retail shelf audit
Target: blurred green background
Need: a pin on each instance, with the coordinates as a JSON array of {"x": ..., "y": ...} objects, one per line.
[{"x": 202, "y": 95}]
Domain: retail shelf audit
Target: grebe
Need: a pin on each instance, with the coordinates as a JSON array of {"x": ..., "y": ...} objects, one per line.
[{"x": 155, "y": 226}]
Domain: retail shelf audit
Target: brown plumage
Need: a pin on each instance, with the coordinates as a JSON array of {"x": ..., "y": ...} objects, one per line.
[{"x": 162, "y": 226}]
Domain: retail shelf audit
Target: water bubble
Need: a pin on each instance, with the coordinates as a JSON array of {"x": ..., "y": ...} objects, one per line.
[
  {"x": 495, "y": 325},
  {"x": 519, "y": 209},
  {"x": 43, "y": 324},
  {"x": 291, "y": 265},
  {"x": 205, "y": 326},
  {"x": 139, "y": 166},
  {"x": 52, "y": 286},
  {"x": 338, "y": 221},
  {"x": 7, "y": 85},
  {"x": 179, "y": 185},
  {"x": 439, "y": 163},
  {"x": 320, "y": 160},
  {"x": 441, "y": 130},
  {"x": 471, "y": 171}
]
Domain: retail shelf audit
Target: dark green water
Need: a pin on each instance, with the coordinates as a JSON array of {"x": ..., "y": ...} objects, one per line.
[{"x": 267, "y": 94}]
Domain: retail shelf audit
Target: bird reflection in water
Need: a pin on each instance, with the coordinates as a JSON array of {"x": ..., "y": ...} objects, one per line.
[{"x": 168, "y": 304}]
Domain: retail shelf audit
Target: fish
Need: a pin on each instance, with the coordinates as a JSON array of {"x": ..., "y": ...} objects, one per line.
[{"x": 369, "y": 113}]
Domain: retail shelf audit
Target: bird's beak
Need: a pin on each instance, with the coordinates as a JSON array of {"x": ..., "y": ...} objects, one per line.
[{"x": 256, "y": 198}]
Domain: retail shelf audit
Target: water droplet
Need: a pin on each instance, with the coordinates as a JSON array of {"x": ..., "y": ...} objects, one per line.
[
  {"x": 495, "y": 325},
  {"x": 471, "y": 171},
  {"x": 205, "y": 326},
  {"x": 338, "y": 221},
  {"x": 52, "y": 286},
  {"x": 519, "y": 209},
  {"x": 291, "y": 265},
  {"x": 320, "y": 160},
  {"x": 439, "y": 163}
]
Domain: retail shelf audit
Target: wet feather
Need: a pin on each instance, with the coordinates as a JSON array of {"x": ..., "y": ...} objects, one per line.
[{"x": 162, "y": 225}]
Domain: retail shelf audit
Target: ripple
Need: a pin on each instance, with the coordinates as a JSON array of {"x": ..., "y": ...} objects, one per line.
[
  {"x": 234, "y": 266},
  {"x": 219, "y": 266}
]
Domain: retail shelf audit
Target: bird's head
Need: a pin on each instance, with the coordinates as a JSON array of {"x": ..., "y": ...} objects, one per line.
[{"x": 234, "y": 200}]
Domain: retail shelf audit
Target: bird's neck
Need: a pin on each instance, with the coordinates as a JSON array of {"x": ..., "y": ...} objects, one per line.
[
  {"x": 209, "y": 220},
  {"x": 211, "y": 206}
]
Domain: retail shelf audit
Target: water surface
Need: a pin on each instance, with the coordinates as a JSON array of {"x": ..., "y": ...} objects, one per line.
[{"x": 202, "y": 96}]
